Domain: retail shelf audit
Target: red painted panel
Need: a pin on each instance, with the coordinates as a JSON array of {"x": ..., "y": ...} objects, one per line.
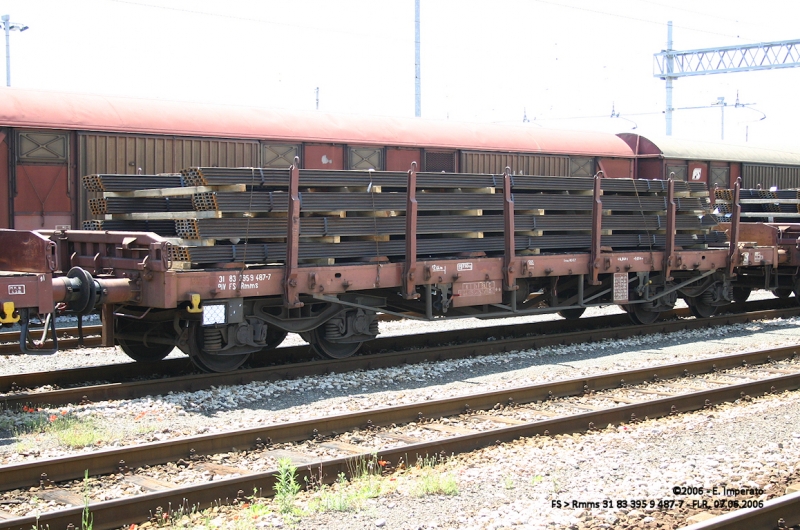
[
  {"x": 316, "y": 156},
  {"x": 698, "y": 172},
  {"x": 42, "y": 200},
  {"x": 639, "y": 144},
  {"x": 736, "y": 172},
  {"x": 650, "y": 168},
  {"x": 617, "y": 168},
  {"x": 5, "y": 220},
  {"x": 400, "y": 159}
]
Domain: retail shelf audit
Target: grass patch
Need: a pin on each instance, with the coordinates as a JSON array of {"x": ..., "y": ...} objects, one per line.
[
  {"x": 433, "y": 480},
  {"x": 367, "y": 481},
  {"x": 35, "y": 427}
]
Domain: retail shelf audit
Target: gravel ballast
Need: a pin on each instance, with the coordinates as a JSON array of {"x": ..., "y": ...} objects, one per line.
[{"x": 513, "y": 485}]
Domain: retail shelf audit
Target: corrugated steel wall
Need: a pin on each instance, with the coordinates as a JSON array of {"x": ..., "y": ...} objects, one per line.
[
  {"x": 114, "y": 153},
  {"x": 783, "y": 177},
  {"x": 131, "y": 154},
  {"x": 520, "y": 164}
]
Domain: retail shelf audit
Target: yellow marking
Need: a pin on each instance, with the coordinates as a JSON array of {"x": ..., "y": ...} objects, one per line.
[
  {"x": 8, "y": 314},
  {"x": 194, "y": 305}
]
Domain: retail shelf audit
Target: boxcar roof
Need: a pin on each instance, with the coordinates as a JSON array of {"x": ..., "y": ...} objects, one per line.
[
  {"x": 60, "y": 110},
  {"x": 675, "y": 148}
]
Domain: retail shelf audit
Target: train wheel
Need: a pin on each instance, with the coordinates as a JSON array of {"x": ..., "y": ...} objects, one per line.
[
  {"x": 639, "y": 315},
  {"x": 145, "y": 353},
  {"x": 572, "y": 314},
  {"x": 328, "y": 349},
  {"x": 741, "y": 294},
  {"x": 211, "y": 362},
  {"x": 782, "y": 293},
  {"x": 700, "y": 309},
  {"x": 149, "y": 352}
]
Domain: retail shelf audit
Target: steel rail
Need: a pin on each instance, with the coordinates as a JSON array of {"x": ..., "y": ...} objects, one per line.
[
  {"x": 91, "y": 339},
  {"x": 108, "y": 461},
  {"x": 11, "y": 338},
  {"x": 786, "y": 508},
  {"x": 116, "y": 513},
  {"x": 194, "y": 382}
]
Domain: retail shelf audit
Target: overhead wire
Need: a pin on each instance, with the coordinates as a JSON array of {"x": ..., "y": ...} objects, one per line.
[
  {"x": 639, "y": 19},
  {"x": 249, "y": 19}
]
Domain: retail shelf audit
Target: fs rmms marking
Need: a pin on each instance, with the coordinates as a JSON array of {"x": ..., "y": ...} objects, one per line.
[{"x": 16, "y": 289}]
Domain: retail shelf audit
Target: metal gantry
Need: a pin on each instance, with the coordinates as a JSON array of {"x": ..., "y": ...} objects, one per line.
[
  {"x": 670, "y": 64},
  {"x": 724, "y": 60}
]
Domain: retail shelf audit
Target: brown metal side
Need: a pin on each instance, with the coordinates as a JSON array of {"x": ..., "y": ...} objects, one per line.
[
  {"x": 27, "y": 252},
  {"x": 140, "y": 258},
  {"x": 26, "y": 291},
  {"x": 5, "y": 219}
]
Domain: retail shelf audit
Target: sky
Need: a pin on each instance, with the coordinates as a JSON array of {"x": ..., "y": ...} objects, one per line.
[{"x": 560, "y": 63}]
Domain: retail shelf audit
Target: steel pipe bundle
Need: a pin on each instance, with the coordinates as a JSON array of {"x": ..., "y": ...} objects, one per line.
[
  {"x": 122, "y": 183},
  {"x": 126, "y": 205},
  {"x": 263, "y": 227},
  {"x": 271, "y": 252},
  {"x": 266, "y": 202},
  {"x": 215, "y": 176},
  {"x": 360, "y": 214},
  {"x": 163, "y": 228},
  {"x": 755, "y": 201}
]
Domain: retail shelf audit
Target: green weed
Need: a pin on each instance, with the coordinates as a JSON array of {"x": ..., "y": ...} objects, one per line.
[
  {"x": 432, "y": 480},
  {"x": 286, "y": 486},
  {"x": 87, "y": 518}
]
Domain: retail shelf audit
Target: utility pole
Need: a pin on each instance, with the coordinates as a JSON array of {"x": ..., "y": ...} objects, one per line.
[
  {"x": 317, "y": 92},
  {"x": 721, "y": 103},
  {"x": 417, "y": 89},
  {"x": 8, "y": 27},
  {"x": 670, "y": 68}
]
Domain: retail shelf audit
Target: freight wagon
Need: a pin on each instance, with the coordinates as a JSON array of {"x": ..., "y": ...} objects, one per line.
[{"x": 219, "y": 229}]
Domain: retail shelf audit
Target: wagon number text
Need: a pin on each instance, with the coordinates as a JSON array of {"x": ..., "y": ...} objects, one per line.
[{"x": 246, "y": 281}]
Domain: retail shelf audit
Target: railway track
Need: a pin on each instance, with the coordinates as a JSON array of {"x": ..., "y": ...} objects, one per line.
[
  {"x": 176, "y": 473},
  {"x": 406, "y": 349},
  {"x": 781, "y": 513},
  {"x": 70, "y": 337}
]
